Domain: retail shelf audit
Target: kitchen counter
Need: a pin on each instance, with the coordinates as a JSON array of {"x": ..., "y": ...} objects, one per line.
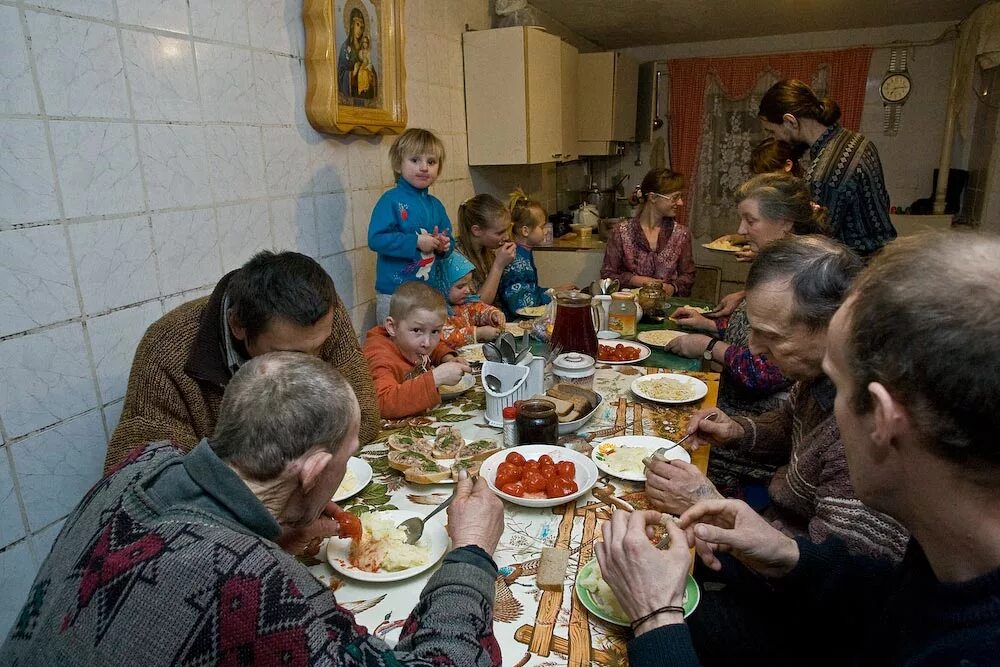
[
  {"x": 563, "y": 244},
  {"x": 577, "y": 261}
]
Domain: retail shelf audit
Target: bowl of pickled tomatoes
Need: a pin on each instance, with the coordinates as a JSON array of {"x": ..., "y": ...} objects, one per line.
[{"x": 539, "y": 475}]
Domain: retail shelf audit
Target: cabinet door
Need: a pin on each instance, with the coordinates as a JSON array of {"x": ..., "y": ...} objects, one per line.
[
  {"x": 569, "y": 54},
  {"x": 544, "y": 97},
  {"x": 626, "y": 92},
  {"x": 496, "y": 96},
  {"x": 595, "y": 96}
]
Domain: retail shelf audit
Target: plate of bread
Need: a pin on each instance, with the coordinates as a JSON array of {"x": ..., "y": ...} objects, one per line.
[
  {"x": 437, "y": 460},
  {"x": 574, "y": 405}
]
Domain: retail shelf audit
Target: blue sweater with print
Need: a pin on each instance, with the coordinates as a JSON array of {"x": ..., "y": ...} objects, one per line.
[
  {"x": 519, "y": 284},
  {"x": 397, "y": 219}
]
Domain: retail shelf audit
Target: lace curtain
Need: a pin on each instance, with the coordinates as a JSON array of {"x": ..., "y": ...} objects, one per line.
[{"x": 730, "y": 130}]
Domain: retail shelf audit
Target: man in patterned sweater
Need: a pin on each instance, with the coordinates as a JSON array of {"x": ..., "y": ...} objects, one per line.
[
  {"x": 283, "y": 301},
  {"x": 173, "y": 559},
  {"x": 793, "y": 289}
]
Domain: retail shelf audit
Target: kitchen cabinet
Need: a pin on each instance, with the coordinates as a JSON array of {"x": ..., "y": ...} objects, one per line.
[
  {"x": 568, "y": 62},
  {"x": 514, "y": 96},
  {"x": 607, "y": 86}
]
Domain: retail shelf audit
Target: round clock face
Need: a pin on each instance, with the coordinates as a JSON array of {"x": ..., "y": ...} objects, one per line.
[{"x": 895, "y": 87}]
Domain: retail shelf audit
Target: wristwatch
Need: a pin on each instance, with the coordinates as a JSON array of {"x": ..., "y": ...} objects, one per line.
[
  {"x": 894, "y": 90},
  {"x": 708, "y": 350}
]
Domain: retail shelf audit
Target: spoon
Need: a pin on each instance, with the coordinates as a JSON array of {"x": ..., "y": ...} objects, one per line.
[
  {"x": 414, "y": 526},
  {"x": 658, "y": 454},
  {"x": 493, "y": 383},
  {"x": 492, "y": 353}
]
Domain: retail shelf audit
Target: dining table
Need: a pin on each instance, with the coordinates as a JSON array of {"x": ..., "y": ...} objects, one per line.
[{"x": 534, "y": 628}]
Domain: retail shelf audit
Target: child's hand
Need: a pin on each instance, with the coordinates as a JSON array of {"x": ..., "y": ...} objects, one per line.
[
  {"x": 505, "y": 255},
  {"x": 443, "y": 243},
  {"x": 450, "y": 373},
  {"x": 484, "y": 334},
  {"x": 427, "y": 242},
  {"x": 498, "y": 319}
]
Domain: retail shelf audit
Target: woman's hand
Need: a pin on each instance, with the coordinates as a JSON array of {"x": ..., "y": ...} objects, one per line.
[
  {"x": 674, "y": 486},
  {"x": 689, "y": 318},
  {"x": 746, "y": 255},
  {"x": 691, "y": 346},
  {"x": 731, "y": 526},
  {"x": 727, "y": 305},
  {"x": 643, "y": 577},
  {"x": 721, "y": 429},
  {"x": 505, "y": 254}
]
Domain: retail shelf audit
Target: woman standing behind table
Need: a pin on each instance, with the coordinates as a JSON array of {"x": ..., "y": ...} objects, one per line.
[
  {"x": 651, "y": 247},
  {"x": 845, "y": 174}
]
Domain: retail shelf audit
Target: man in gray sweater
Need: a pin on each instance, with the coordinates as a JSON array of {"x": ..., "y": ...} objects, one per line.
[{"x": 184, "y": 559}]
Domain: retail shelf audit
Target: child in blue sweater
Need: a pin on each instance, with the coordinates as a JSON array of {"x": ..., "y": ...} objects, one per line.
[
  {"x": 519, "y": 284},
  {"x": 409, "y": 228}
]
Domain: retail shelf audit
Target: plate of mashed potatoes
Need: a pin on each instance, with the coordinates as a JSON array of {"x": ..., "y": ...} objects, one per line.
[
  {"x": 622, "y": 457},
  {"x": 358, "y": 474},
  {"x": 382, "y": 554}
]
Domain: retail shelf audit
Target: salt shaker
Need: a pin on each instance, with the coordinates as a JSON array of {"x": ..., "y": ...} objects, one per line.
[{"x": 510, "y": 427}]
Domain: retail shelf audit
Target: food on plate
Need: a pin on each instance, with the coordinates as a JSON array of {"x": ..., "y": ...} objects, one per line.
[
  {"x": 660, "y": 337},
  {"x": 348, "y": 484},
  {"x": 408, "y": 443},
  {"x": 623, "y": 459},
  {"x": 536, "y": 478},
  {"x": 419, "y": 468},
  {"x": 728, "y": 243},
  {"x": 473, "y": 353},
  {"x": 448, "y": 442},
  {"x": 348, "y": 525},
  {"x": 552, "y": 568},
  {"x": 583, "y": 400},
  {"x": 382, "y": 546},
  {"x": 601, "y": 593},
  {"x": 618, "y": 352},
  {"x": 668, "y": 389},
  {"x": 532, "y": 311},
  {"x": 687, "y": 306},
  {"x": 423, "y": 461},
  {"x": 563, "y": 408}
]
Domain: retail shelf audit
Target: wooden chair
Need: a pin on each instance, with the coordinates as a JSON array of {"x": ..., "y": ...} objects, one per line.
[{"x": 707, "y": 283}]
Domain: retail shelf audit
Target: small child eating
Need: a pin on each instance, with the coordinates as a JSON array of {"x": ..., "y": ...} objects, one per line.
[
  {"x": 471, "y": 320},
  {"x": 519, "y": 284}
]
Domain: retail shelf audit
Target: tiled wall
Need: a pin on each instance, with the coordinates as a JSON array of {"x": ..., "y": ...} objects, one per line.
[{"x": 146, "y": 147}]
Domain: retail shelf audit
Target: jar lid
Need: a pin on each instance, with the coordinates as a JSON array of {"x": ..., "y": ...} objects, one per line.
[
  {"x": 627, "y": 296},
  {"x": 574, "y": 361},
  {"x": 510, "y": 412}
]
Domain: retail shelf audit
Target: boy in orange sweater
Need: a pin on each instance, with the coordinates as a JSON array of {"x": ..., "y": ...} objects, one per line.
[{"x": 407, "y": 359}]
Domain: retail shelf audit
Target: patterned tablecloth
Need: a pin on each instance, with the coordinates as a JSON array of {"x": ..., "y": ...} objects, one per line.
[{"x": 534, "y": 627}]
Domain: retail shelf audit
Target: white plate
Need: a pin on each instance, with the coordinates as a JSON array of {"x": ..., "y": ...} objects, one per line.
[
  {"x": 566, "y": 428},
  {"x": 586, "y": 472},
  {"x": 362, "y": 473},
  {"x": 659, "y": 337},
  {"x": 697, "y": 388},
  {"x": 647, "y": 443},
  {"x": 531, "y": 311},
  {"x": 435, "y": 536},
  {"x": 467, "y": 382},
  {"x": 643, "y": 352},
  {"x": 472, "y": 353}
]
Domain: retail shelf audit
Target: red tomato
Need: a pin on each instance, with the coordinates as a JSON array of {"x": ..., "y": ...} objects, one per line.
[
  {"x": 566, "y": 470},
  {"x": 504, "y": 478},
  {"x": 348, "y": 525},
  {"x": 548, "y": 471},
  {"x": 533, "y": 481},
  {"x": 510, "y": 470},
  {"x": 557, "y": 488},
  {"x": 530, "y": 465},
  {"x": 545, "y": 458},
  {"x": 515, "y": 458},
  {"x": 570, "y": 486},
  {"x": 515, "y": 489}
]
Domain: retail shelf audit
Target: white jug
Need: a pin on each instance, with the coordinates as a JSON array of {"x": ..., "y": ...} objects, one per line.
[
  {"x": 587, "y": 215},
  {"x": 601, "y": 306}
]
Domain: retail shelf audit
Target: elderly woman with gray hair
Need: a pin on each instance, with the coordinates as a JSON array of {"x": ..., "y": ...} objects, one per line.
[{"x": 188, "y": 559}]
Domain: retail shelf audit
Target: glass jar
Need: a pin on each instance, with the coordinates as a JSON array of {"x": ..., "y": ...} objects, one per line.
[
  {"x": 653, "y": 301},
  {"x": 574, "y": 368},
  {"x": 537, "y": 423},
  {"x": 622, "y": 314}
]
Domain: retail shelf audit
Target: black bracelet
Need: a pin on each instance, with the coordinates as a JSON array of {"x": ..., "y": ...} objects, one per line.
[{"x": 662, "y": 610}]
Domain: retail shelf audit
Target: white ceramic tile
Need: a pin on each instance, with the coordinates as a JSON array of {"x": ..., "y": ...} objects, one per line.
[
  {"x": 98, "y": 167},
  {"x": 329, "y": 162},
  {"x": 187, "y": 249},
  {"x": 17, "y": 92},
  {"x": 286, "y": 162},
  {"x": 440, "y": 109},
  {"x": 11, "y": 525},
  {"x": 44, "y": 539},
  {"x": 363, "y": 318},
  {"x": 364, "y": 271},
  {"x": 171, "y": 302},
  {"x": 113, "y": 339},
  {"x": 277, "y": 25},
  {"x": 114, "y": 262},
  {"x": 161, "y": 74},
  {"x": 27, "y": 188},
  {"x": 101, "y": 9},
  {"x": 56, "y": 467},
  {"x": 293, "y": 225},
  {"x": 334, "y": 223},
  {"x": 227, "y": 85},
  {"x": 342, "y": 271},
  {"x": 79, "y": 66},
  {"x": 385, "y": 164},
  {"x": 17, "y": 573},
  {"x": 161, "y": 14},
  {"x": 365, "y": 162},
  {"x": 46, "y": 379},
  {"x": 36, "y": 279},
  {"x": 362, "y": 203},
  {"x": 277, "y": 99},
  {"x": 456, "y": 64},
  {"x": 236, "y": 162},
  {"x": 222, "y": 20},
  {"x": 416, "y": 56},
  {"x": 175, "y": 164},
  {"x": 112, "y": 414},
  {"x": 244, "y": 229},
  {"x": 418, "y": 105}
]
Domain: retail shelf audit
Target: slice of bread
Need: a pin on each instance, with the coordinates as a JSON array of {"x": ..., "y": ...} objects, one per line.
[
  {"x": 562, "y": 407},
  {"x": 579, "y": 403},
  {"x": 552, "y": 568}
]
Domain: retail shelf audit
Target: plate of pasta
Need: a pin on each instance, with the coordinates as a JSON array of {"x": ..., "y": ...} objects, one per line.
[
  {"x": 381, "y": 552},
  {"x": 671, "y": 388}
]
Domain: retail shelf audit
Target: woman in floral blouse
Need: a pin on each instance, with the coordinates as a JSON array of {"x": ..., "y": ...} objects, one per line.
[{"x": 651, "y": 247}]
